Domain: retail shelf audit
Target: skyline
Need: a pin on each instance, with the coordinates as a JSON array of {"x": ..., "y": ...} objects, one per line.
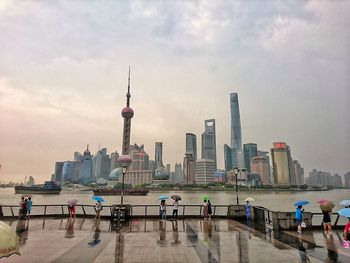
[{"x": 62, "y": 85}]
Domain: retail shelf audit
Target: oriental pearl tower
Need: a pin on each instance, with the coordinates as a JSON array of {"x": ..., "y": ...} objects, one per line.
[{"x": 127, "y": 114}]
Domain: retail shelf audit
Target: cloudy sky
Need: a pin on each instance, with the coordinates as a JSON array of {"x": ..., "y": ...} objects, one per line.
[{"x": 63, "y": 78}]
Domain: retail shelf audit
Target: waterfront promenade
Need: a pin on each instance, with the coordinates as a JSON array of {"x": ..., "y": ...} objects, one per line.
[{"x": 149, "y": 240}]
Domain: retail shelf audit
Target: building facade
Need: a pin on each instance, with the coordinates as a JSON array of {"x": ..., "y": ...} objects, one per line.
[
  {"x": 281, "y": 163},
  {"x": 230, "y": 157},
  {"x": 347, "y": 180},
  {"x": 158, "y": 154},
  {"x": 205, "y": 169},
  {"x": 259, "y": 165},
  {"x": 189, "y": 169},
  {"x": 209, "y": 141},
  {"x": 85, "y": 171},
  {"x": 140, "y": 158},
  {"x": 236, "y": 134},
  {"x": 191, "y": 145},
  {"x": 250, "y": 150}
]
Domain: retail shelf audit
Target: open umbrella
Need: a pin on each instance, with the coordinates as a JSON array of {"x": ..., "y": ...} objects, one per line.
[
  {"x": 322, "y": 201},
  {"x": 345, "y": 202},
  {"x": 303, "y": 202},
  {"x": 249, "y": 199},
  {"x": 205, "y": 197},
  {"x": 176, "y": 197},
  {"x": 98, "y": 198},
  {"x": 8, "y": 241},
  {"x": 163, "y": 197},
  {"x": 327, "y": 206},
  {"x": 344, "y": 212}
]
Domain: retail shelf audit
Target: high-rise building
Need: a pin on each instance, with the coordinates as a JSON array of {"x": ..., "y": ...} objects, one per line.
[
  {"x": 189, "y": 169},
  {"x": 70, "y": 172},
  {"x": 236, "y": 134},
  {"x": 337, "y": 182},
  {"x": 259, "y": 165},
  {"x": 85, "y": 171},
  {"x": 158, "y": 154},
  {"x": 78, "y": 157},
  {"x": 151, "y": 165},
  {"x": 205, "y": 171},
  {"x": 209, "y": 141},
  {"x": 191, "y": 145},
  {"x": 319, "y": 178},
  {"x": 178, "y": 174},
  {"x": 140, "y": 158},
  {"x": 266, "y": 155},
  {"x": 102, "y": 164},
  {"x": 250, "y": 150},
  {"x": 114, "y": 160},
  {"x": 58, "y": 172},
  {"x": 167, "y": 167},
  {"x": 230, "y": 157},
  {"x": 281, "y": 163},
  {"x": 347, "y": 180},
  {"x": 298, "y": 173}
]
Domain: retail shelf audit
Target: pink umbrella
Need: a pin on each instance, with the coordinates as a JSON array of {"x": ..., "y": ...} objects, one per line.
[{"x": 322, "y": 201}]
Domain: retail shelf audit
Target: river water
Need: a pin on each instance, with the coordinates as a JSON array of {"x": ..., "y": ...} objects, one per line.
[{"x": 274, "y": 200}]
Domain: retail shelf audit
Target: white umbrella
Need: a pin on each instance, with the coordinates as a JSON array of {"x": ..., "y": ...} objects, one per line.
[
  {"x": 249, "y": 199},
  {"x": 8, "y": 241}
]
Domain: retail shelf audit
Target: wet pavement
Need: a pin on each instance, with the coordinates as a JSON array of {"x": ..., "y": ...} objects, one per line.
[{"x": 83, "y": 240}]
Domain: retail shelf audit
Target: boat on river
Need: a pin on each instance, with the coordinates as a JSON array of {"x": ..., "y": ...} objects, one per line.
[
  {"x": 118, "y": 191},
  {"x": 49, "y": 187}
]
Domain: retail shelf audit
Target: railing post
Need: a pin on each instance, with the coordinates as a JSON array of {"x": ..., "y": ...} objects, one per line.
[
  {"x": 183, "y": 211},
  {"x": 1, "y": 213},
  {"x": 45, "y": 211},
  {"x": 62, "y": 209},
  {"x": 12, "y": 211},
  {"x": 82, "y": 207},
  {"x": 214, "y": 210},
  {"x": 200, "y": 210},
  {"x": 336, "y": 221}
]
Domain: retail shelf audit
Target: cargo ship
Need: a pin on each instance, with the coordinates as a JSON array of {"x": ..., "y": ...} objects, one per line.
[
  {"x": 49, "y": 187},
  {"x": 118, "y": 191}
]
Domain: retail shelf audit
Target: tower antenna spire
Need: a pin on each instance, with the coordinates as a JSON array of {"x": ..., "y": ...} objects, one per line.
[{"x": 128, "y": 94}]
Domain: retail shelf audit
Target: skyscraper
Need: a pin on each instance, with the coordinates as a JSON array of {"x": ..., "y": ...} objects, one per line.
[
  {"x": 230, "y": 157},
  {"x": 85, "y": 171},
  {"x": 189, "y": 169},
  {"x": 250, "y": 150},
  {"x": 102, "y": 164},
  {"x": 191, "y": 144},
  {"x": 205, "y": 171},
  {"x": 114, "y": 160},
  {"x": 127, "y": 114},
  {"x": 236, "y": 134},
  {"x": 209, "y": 141},
  {"x": 259, "y": 165},
  {"x": 281, "y": 162},
  {"x": 347, "y": 180},
  {"x": 158, "y": 154},
  {"x": 139, "y": 158}
]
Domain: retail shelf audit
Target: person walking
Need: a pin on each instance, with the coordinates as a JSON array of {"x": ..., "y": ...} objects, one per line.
[
  {"x": 210, "y": 211},
  {"x": 163, "y": 210},
  {"x": 299, "y": 217},
  {"x": 98, "y": 208},
  {"x": 175, "y": 208},
  {"x": 327, "y": 222},
  {"x": 205, "y": 209},
  {"x": 72, "y": 210},
  {"x": 21, "y": 208},
  {"x": 247, "y": 210},
  {"x": 29, "y": 207}
]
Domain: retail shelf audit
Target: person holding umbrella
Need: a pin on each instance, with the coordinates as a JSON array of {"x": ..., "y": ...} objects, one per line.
[
  {"x": 248, "y": 207},
  {"x": 299, "y": 214},
  {"x": 345, "y": 212},
  {"x": 163, "y": 210},
  {"x": 98, "y": 206},
  {"x": 326, "y": 208},
  {"x": 72, "y": 208},
  {"x": 205, "y": 209},
  {"x": 176, "y": 199}
]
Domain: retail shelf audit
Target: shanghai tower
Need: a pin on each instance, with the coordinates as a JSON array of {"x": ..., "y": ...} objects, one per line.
[{"x": 236, "y": 134}]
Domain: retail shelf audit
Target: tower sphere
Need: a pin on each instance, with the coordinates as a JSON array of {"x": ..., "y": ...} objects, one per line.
[{"x": 127, "y": 112}]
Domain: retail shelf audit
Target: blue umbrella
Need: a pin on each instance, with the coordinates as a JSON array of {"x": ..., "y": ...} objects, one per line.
[
  {"x": 163, "y": 197},
  {"x": 344, "y": 212},
  {"x": 98, "y": 198},
  {"x": 303, "y": 202},
  {"x": 345, "y": 202}
]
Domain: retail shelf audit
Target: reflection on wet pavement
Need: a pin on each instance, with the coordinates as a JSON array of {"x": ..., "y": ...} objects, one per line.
[{"x": 84, "y": 240}]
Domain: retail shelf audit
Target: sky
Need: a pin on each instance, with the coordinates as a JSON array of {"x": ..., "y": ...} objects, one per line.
[{"x": 64, "y": 65}]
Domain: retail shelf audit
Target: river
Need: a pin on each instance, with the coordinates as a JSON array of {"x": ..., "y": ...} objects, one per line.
[{"x": 274, "y": 200}]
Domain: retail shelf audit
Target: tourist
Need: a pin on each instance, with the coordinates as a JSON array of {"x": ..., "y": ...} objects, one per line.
[
  {"x": 98, "y": 208},
  {"x": 247, "y": 210},
  {"x": 175, "y": 208},
  {"x": 346, "y": 235},
  {"x": 72, "y": 210},
  {"x": 210, "y": 211},
  {"x": 163, "y": 210},
  {"x": 327, "y": 223},
  {"x": 21, "y": 210},
  {"x": 205, "y": 209},
  {"x": 24, "y": 209},
  {"x": 299, "y": 217},
  {"x": 29, "y": 207}
]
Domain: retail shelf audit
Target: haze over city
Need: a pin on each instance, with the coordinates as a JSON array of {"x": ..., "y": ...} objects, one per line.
[{"x": 64, "y": 65}]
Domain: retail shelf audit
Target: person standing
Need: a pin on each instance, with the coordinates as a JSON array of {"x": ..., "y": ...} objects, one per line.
[
  {"x": 175, "y": 208},
  {"x": 72, "y": 210},
  {"x": 299, "y": 217},
  {"x": 327, "y": 222},
  {"x": 21, "y": 208},
  {"x": 210, "y": 211},
  {"x": 205, "y": 209},
  {"x": 29, "y": 207},
  {"x": 247, "y": 210},
  {"x": 163, "y": 210},
  {"x": 98, "y": 208}
]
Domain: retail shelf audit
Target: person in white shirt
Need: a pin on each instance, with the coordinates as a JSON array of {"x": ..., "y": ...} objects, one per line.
[{"x": 98, "y": 208}]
